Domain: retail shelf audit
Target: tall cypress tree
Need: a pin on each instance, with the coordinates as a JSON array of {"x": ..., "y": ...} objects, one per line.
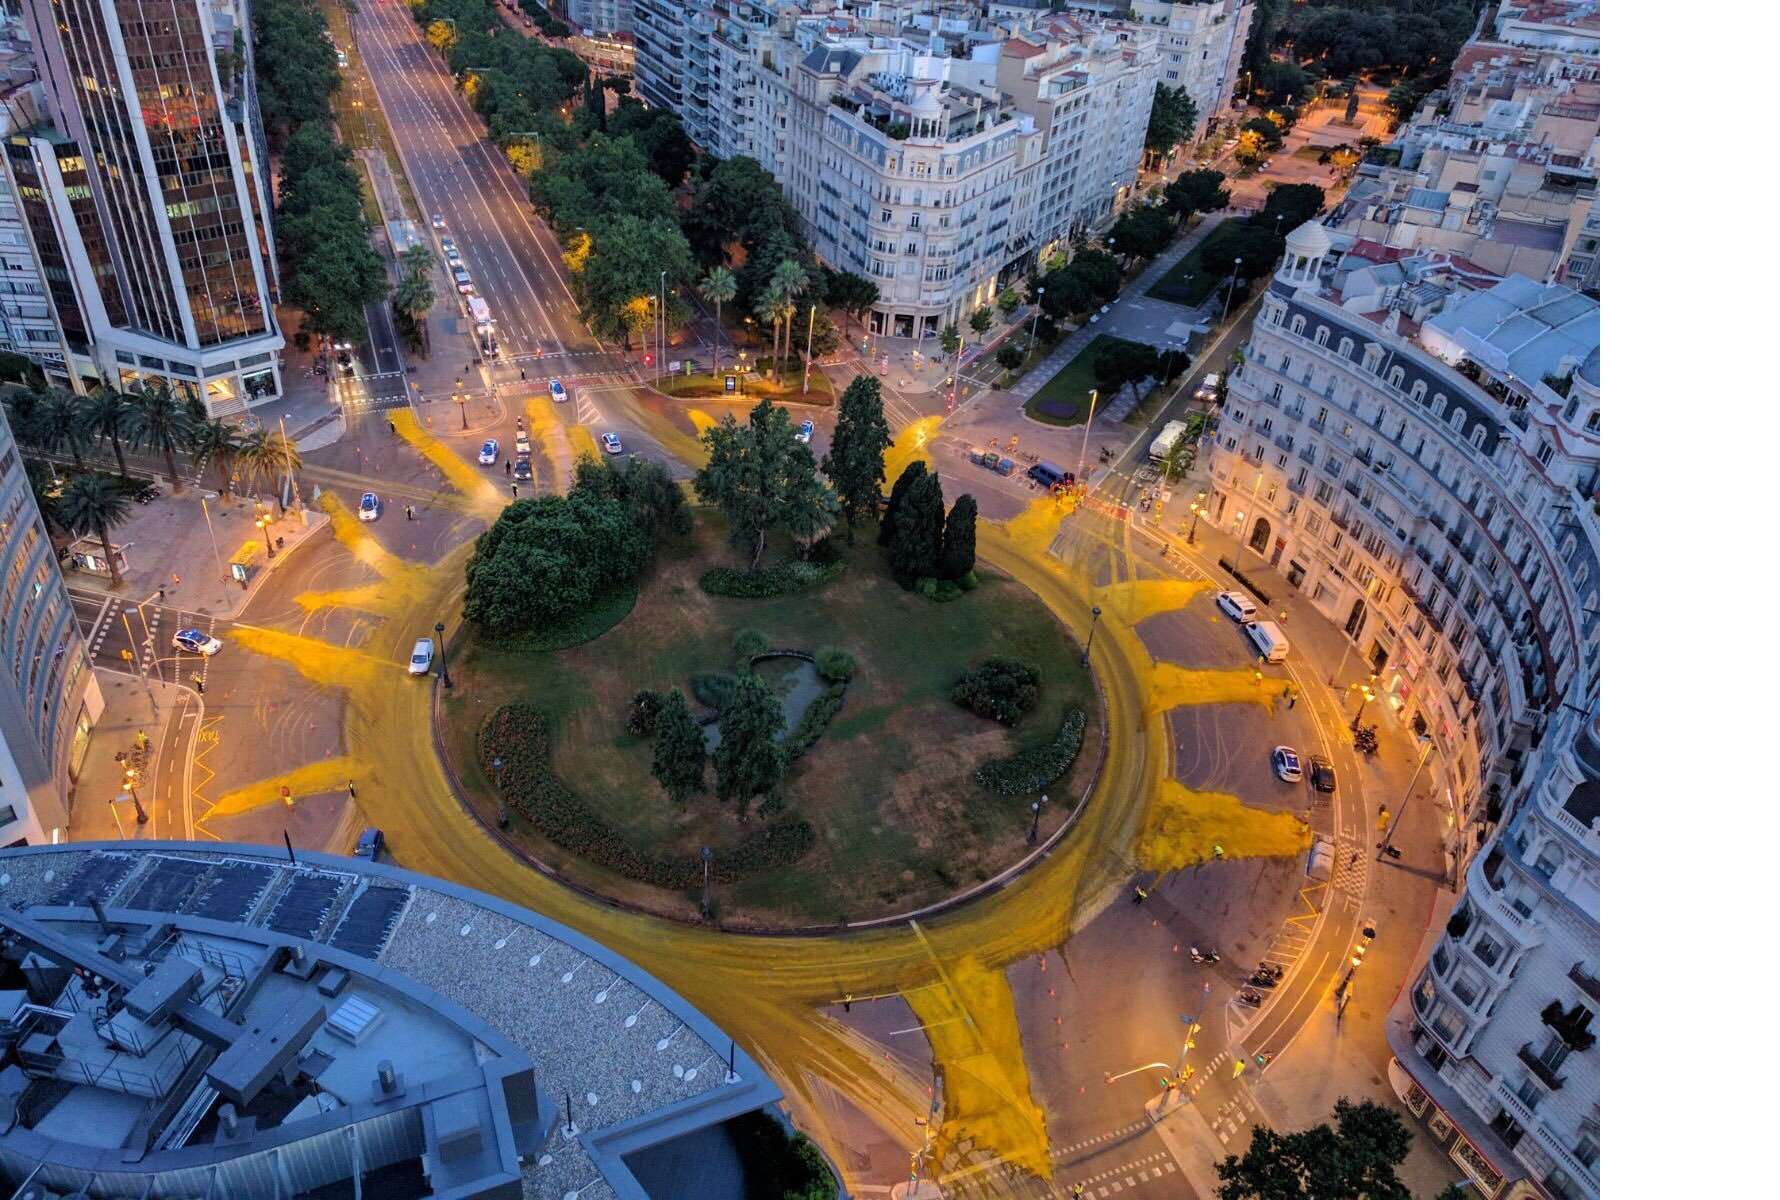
[
  {"x": 750, "y": 759},
  {"x": 919, "y": 525},
  {"x": 855, "y": 459},
  {"x": 898, "y": 490},
  {"x": 958, "y": 548},
  {"x": 679, "y": 763}
]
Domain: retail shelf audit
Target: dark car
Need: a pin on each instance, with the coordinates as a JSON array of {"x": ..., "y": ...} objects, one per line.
[
  {"x": 1322, "y": 773},
  {"x": 370, "y": 845},
  {"x": 522, "y": 470}
]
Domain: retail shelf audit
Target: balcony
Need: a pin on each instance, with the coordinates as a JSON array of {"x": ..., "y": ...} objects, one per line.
[
  {"x": 1351, "y": 487},
  {"x": 1536, "y": 1065},
  {"x": 1319, "y": 424},
  {"x": 1588, "y": 983}
]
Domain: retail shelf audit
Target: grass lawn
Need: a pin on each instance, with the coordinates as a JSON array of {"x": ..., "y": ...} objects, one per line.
[
  {"x": 898, "y": 821},
  {"x": 1068, "y": 389},
  {"x": 1177, "y": 288},
  {"x": 691, "y": 386}
]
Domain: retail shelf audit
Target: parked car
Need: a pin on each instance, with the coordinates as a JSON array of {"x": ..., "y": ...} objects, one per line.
[
  {"x": 1237, "y": 607},
  {"x": 196, "y": 642},
  {"x": 1322, "y": 773},
  {"x": 451, "y": 254},
  {"x": 370, "y": 844},
  {"x": 369, "y": 507},
  {"x": 465, "y": 284},
  {"x": 806, "y": 431},
  {"x": 611, "y": 444},
  {"x": 438, "y": 221},
  {"x": 447, "y": 245},
  {"x": 1286, "y": 764},
  {"x": 558, "y": 392},
  {"x": 421, "y": 661},
  {"x": 491, "y": 450}
]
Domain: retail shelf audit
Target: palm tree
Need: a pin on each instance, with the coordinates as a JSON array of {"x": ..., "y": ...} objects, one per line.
[
  {"x": 90, "y": 506},
  {"x": 766, "y": 311},
  {"x": 106, "y": 411},
  {"x": 270, "y": 453},
  {"x": 58, "y": 421},
  {"x": 160, "y": 422},
  {"x": 414, "y": 297},
  {"x": 718, "y": 286},
  {"x": 216, "y": 442},
  {"x": 789, "y": 281},
  {"x": 20, "y": 402}
]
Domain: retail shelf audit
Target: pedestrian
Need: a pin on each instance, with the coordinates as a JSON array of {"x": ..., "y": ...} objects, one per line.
[
  {"x": 198, "y": 680},
  {"x": 285, "y": 792},
  {"x": 847, "y": 1002},
  {"x": 1291, "y": 699},
  {"x": 1139, "y": 895},
  {"x": 507, "y": 467},
  {"x": 1164, "y": 549},
  {"x": 516, "y": 491},
  {"x": 1384, "y": 817},
  {"x": 1076, "y": 1191},
  {"x": 1239, "y": 1067},
  {"x": 162, "y": 594},
  {"x": 392, "y": 424},
  {"x": 1282, "y": 616},
  {"x": 1217, "y": 851},
  {"x": 351, "y": 791}
]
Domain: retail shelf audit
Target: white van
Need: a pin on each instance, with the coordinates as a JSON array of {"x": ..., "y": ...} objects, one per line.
[{"x": 1269, "y": 640}]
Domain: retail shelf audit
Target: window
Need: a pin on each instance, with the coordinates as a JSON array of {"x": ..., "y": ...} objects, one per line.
[
  {"x": 1322, "y": 335},
  {"x": 1546, "y": 453},
  {"x": 1478, "y": 434},
  {"x": 1417, "y": 392},
  {"x": 1529, "y": 1093},
  {"x": 1588, "y": 1145},
  {"x": 8, "y": 814},
  {"x": 1297, "y": 324},
  {"x": 1346, "y": 348},
  {"x": 1439, "y": 408}
]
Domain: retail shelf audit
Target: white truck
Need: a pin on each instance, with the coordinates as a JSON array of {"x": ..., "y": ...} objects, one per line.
[
  {"x": 479, "y": 310},
  {"x": 1166, "y": 441}
]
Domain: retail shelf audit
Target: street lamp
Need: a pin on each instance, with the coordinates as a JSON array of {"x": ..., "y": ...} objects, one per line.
[
  {"x": 444, "y": 667},
  {"x": 1081, "y": 462},
  {"x": 463, "y": 406},
  {"x": 1366, "y": 697},
  {"x": 499, "y": 796},
  {"x": 704, "y": 903},
  {"x": 1092, "y": 625},
  {"x": 1198, "y": 508},
  {"x": 1427, "y": 742},
  {"x": 1232, "y": 292},
  {"x": 1043, "y": 799},
  {"x": 1032, "y": 339},
  {"x": 1236, "y": 562},
  {"x": 264, "y": 522},
  {"x": 130, "y": 782}
]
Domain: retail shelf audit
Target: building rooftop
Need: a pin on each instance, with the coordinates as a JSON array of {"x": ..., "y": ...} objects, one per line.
[
  {"x": 1523, "y": 328},
  {"x": 200, "y": 1019}
]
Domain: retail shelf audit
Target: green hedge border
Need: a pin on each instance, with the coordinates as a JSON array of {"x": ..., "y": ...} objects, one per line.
[{"x": 1032, "y": 770}]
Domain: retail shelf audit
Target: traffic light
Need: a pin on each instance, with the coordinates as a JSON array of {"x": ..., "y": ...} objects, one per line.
[{"x": 648, "y": 360}]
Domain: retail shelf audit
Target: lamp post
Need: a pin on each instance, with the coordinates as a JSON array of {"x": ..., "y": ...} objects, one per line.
[
  {"x": 661, "y": 316},
  {"x": 444, "y": 667},
  {"x": 1038, "y": 804},
  {"x": 809, "y": 342},
  {"x": 264, "y": 521},
  {"x": 704, "y": 903},
  {"x": 1232, "y": 292},
  {"x": 499, "y": 795},
  {"x": 1366, "y": 697},
  {"x": 1236, "y": 562},
  {"x": 1092, "y": 625},
  {"x": 1081, "y": 462},
  {"x": 1032, "y": 339},
  {"x": 463, "y": 405},
  {"x": 1427, "y": 753}
]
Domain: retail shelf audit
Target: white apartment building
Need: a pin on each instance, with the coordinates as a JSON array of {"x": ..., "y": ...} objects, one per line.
[
  {"x": 28, "y": 324},
  {"x": 1200, "y": 47}
]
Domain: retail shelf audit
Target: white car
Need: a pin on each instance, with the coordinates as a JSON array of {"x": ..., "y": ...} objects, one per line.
[
  {"x": 1208, "y": 388},
  {"x": 1286, "y": 764},
  {"x": 558, "y": 392},
  {"x": 806, "y": 431},
  {"x": 611, "y": 443},
  {"x": 523, "y": 446},
  {"x": 490, "y": 451},
  {"x": 195, "y": 642},
  {"x": 422, "y": 660},
  {"x": 369, "y": 507},
  {"x": 438, "y": 221},
  {"x": 465, "y": 284},
  {"x": 1238, "y": 607}
]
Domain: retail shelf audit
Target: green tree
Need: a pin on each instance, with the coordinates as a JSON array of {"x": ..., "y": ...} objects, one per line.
[
  {"x": 1010, "y": 356},
  {"x": 949, "y": 341},
  {"x": 92, "y": 506},
  {"x": 544, "y": 560},
  {"x": 1255, "y": 245},
  {"x": 852, "y": 294},
  {"x": 1197, "y": 192},
  {"x": 295, "y": 71},
  {"x": 1268, "y": 130},
  {"x": 1172, "y": 117},
  {"x": 268, "y": 454},
  {"x": 916, "y": 531},
  {"x": 958, "y": 546},
  {"x": 106, "y": 412},
  {"x": 854, "y": 463},
  {"x": 679, "y": 760},
  {"x": 161, "y": 423},
  {"x": 1121, "y": 363},
  {"x": 750, "y": 760},
  {"x": 1142, "y": 232},
  {"x": 718, "y": 286},
  {"x": 215, "y": 443},
  {"x": 622, "y": 264},
  {"x": 755, "y": 475},
  {"x": 658, "y": 133},
  {"x": 1293, "y": 204},
  {"x": 811, "y": 508},
  {"x": 1356, "y": 1160},
  {"x": 414, "y": 297},
  {"x": 59, "y": 424},
  {"x": 911, "y": 475},
  {"x": 789, "y": 281},
  {"x": 981, "y": 320},
  {"x": 1283, "y": 82},
  {"x": 645, "y": 489},
  {"x": 1008, "y": 301}
]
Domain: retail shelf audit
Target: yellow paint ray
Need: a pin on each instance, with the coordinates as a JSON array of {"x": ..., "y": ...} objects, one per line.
[
  {"x": 317, "y": 660},
  {"x": 1172, "y": 686},
  {"x": 1184, "y": 826},
  {"x": 310, "y": 779},
  {"x": 581, "y": 441},
  {"x": 1137, "y": 601},
  {"x": 381, "y": 598},
  {"x": 547, "y": 430},
  {"x": 975, "y": 1034},
  {"x": 460, "y": 474},
  {"x": 914, "y": 441}
]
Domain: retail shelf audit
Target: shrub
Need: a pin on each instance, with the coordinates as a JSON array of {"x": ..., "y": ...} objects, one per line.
[
  {"x": 792, "y": 575},
  {"x": 520, "y": 736},
  {"x": 822, "y": 710},
  {"x": 645, "y": 707},
  {"x": 1000, "y": 689},
  {"x": 714, "y": 689},
  {"x": 835, "y": 665},
  {"x": 1033, "y": 770},
  {"x": 940, "y": 591},
  {"x": 747, "y": 644}
]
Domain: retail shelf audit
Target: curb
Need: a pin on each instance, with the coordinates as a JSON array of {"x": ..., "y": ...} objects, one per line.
[{"x": 939, "y": 907}]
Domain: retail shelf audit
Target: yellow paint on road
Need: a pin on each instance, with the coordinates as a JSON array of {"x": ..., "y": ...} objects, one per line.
[
  {"x": 914, "y": 442},
  {"x": 316, "y": 659},
  {"x": 1185, "y": 825},
  {"x": 581, "y": 441},
  {"x": 1173, "y": 686},
  {"x": 1136, "y": 602},
  {"x": 460, "y": 474},
  {"x": 310, "y": 779},
  {"x": 546, "y": 429}
]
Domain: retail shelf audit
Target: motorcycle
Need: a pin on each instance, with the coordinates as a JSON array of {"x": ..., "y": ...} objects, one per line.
[
  {"x": 1271, "y": 970},
  {"x": 1265, "y": 981},
  {"x": 1207, "y": 955},
  {"x": 1366, "y": 739},
  {"x": 147, "y": 493},
  {"x": 1250, "y": 996}
]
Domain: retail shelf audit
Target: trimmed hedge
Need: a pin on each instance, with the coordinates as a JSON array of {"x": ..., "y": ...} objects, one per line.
[
  {"x": 1032, "y": 770},
  {"x": 520, "y": 736},
  {"x": 792, "y": 575},
  {"x": 822, "y": 710}
]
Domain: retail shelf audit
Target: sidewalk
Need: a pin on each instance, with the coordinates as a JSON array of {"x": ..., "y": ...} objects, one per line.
[
  {"x": 174, "y": 546},
  {"x": 95, "y": 813}
]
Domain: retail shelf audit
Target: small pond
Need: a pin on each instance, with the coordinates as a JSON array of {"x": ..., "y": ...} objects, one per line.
[{"x": 793, "y": 680}]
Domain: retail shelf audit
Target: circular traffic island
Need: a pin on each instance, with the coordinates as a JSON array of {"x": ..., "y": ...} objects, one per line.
[{"x": 841, "y": 747}]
